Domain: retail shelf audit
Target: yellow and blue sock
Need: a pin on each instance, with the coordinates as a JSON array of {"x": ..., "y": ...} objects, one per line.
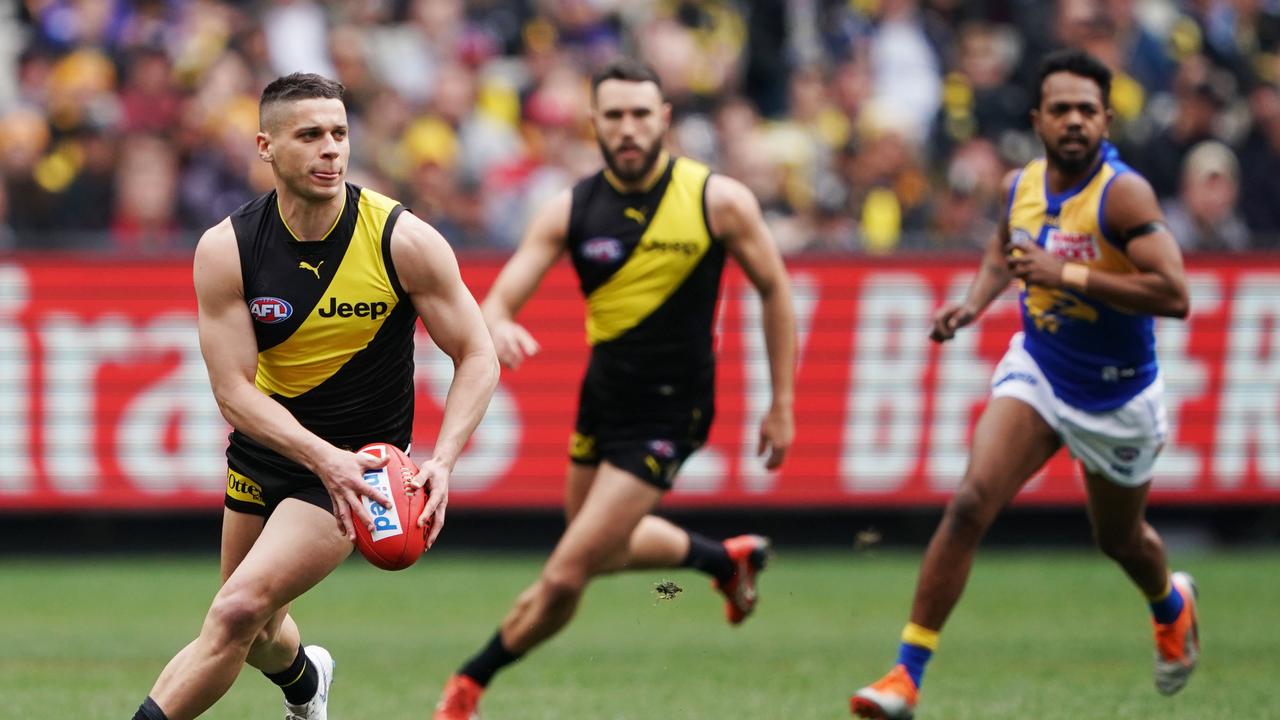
[
  {"x": 918, "y": 644},
  {"x": 1166, "y": 606}
]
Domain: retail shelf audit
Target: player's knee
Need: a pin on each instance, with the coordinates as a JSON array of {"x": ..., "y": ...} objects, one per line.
[
  {"x": 970, "y": 510},
  {"x": 238, "y": 616},
  {"x": 563, "y": 586}
]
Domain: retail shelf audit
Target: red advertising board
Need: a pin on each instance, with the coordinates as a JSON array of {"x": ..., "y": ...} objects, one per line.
[{"x": 104, "y": 401}]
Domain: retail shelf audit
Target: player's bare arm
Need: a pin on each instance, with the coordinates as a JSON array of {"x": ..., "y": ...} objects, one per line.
[
  {"x": 428, "y": 271},
  {"x": 736, "y": 220},
  {"x": 230, "y": 353},
  {"x": 993, "y": 277},
  {"x": 543, "y": 243},
  {"x": 1132, "y": 212}
]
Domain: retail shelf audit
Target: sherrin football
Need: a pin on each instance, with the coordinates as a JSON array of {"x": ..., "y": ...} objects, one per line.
[{"x": 396, "y": 541}]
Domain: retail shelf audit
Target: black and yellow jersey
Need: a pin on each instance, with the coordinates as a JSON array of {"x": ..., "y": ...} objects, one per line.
[
  {"x": 333, "y": 325},
  {"x": 649, "y": 269}
]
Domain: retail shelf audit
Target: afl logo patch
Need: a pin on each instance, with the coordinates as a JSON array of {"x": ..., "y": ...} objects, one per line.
[
  {"x": 270, "y": 310},
  {"x": 1018, "y": 237},
  {"x": 602, "y": 249}
]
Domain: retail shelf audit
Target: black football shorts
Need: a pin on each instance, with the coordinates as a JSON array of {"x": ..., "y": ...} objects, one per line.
[
  {"x": 257, "y": 483},
  {"x": 646, "y": 428}
]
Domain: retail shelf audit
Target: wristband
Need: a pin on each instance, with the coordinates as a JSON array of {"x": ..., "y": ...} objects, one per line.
[{"x": 1075, "y": 276}]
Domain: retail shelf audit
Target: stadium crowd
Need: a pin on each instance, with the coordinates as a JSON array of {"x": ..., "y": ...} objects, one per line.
[{"x": 862, "y": 125}]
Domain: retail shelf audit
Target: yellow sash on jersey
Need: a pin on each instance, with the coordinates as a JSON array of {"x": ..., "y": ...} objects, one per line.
[{"x": 672, "y": 245}]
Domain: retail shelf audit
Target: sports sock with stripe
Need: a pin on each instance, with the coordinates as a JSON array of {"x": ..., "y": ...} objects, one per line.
[
  {"x": 299, "y": 681},
  {"x": 1166, "y": 607},
  {"x": 918, "y": 644}
]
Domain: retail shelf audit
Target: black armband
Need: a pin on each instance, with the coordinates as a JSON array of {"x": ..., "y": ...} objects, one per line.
[{"x": 1146, "y": 228}]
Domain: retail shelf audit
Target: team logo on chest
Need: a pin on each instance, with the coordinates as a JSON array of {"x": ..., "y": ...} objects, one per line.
[
  {"x": 602, "y": 250},
  {"x": 1080, "y": 247},
  {"x": 270, "y": 310}
]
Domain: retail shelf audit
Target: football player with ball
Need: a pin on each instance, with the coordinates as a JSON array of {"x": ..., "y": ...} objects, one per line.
[{"x": 308, "y": 297}]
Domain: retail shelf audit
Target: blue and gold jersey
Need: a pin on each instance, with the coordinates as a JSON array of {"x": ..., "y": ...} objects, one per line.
[
  {"x": 1095, "y": 356},
  {"x": 334, "y": 327}
]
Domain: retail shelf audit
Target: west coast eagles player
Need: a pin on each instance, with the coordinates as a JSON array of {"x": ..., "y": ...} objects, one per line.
[
  {"x": 308, "y": 297},
  {"x": 648, "y": 236},
  {"x": 1084, "y": 235}
]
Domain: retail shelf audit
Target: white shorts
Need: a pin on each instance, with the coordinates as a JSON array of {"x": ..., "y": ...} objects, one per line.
[{"x": 1121, "y": 444}]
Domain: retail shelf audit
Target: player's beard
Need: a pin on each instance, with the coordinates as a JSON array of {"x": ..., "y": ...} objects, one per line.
[
  {"x": 1073, "y": 164},
  {"x": 629, "y": 176}
]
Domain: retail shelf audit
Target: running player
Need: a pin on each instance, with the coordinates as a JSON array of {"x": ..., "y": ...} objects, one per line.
[
  {"x": 308, "y": 298},
  {"x": 1084, "y": 236},
  {"x": 648, "y": 237}
]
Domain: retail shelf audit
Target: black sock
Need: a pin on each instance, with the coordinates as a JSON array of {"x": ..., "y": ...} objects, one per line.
[
  {"x": 149, "y": 710},
  {"x": 482, "y": 666},
  {"x": 299, "y": 681},
  {"x": 708, "y": 556}
]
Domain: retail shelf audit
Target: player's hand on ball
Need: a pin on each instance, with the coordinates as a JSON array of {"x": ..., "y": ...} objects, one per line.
[
  {"x": 434, "y": 476},
  {"x": 343, "y": 476},
  {"x": 513, "y": 343}
]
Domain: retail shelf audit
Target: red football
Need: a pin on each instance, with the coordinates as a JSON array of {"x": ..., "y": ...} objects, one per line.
[{"x": 396, "y": 541}]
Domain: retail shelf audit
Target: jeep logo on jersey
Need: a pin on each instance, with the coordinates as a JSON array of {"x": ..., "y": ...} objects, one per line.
[
  {"x": 671, "y": 245},
  {"x": 373, "y": 310},
  {"x": 602, "y": 249},
  {"x": 270, "y": 310}
]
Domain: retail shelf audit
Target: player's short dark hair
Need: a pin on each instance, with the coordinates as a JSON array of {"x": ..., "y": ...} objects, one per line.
[
  {"x": 628, "y": 69},
  {"x": 298, "y": 86},
  {"x": 1076, "y": 62}
]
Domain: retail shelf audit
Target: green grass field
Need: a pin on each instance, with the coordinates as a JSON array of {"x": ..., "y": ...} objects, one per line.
[{"x": 1040, "y": 635}]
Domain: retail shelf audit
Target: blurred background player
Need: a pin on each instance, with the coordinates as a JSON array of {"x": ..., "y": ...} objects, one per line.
[
  {"x": 1085, "y": 236},
  {"x": 304, "y": 385},
  {"x": 647, "y": 236}
]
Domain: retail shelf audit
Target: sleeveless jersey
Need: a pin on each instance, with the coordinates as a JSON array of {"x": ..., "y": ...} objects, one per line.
[
  {"x": 334, "y": 327},
  {"x": 1095, "y": 356},
  {"x": 650, "y": 272}
]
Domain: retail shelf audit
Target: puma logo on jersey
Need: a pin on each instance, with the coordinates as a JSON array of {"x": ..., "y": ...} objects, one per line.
[
  {"x": 634, "y": 214},
  {"x": 304, "y": 265}
]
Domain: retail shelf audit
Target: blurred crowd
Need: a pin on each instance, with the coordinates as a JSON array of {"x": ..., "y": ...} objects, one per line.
[{"x": 864, "y": 126}]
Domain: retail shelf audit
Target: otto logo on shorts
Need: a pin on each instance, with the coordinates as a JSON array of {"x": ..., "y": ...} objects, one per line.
[
  {"x": 1126, "y": 453},
  {"x": 664, "y": 449},
  {"x": 386, "y": 521},
  {"x": 1081, "y": 247},
  {"x": 270, "y": 310},
  {"x": 602, "y": 249}
]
